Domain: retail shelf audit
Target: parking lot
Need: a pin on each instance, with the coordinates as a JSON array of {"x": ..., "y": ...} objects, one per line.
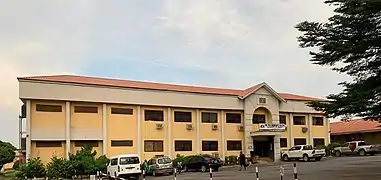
[{"x": 334, "y": 168}]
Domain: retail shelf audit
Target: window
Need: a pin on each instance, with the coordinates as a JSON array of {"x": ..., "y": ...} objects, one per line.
[
  {"x": 48, "y": 108},
  {"x": 209, "y": 145},
  {"x": 183, "y": 145},
  {"x": 209, "y": 117},
  {"x": 259, "y": 118},
  {"x": 300, "y": 141},
  {"x": 164, "y": 160},
  {"x": 86, "y": 143},
  {"x": 153, "y": 146},
  {"x": 299, "y": 120},
  {"x": 234, "y": 145},
  {"x": 119, "y": 143},
  {"x": 48, "y": 144},
  {"x": 114, "y": 161},
  {"x": 262, "y": 100},
  {"x": 318, "y": 121},
  {"x": 233, "y": 118},
  {"x": 183, "y": 116},
  {"x": 283, "y": 142},
  {"x": 282, "y": 119},
  {"x": 153, "y": 115},
  {"x": 85, "y": 109},
  {"x": 122, "y": 111},
  {"x": 319, "y": 142},
  {"x": 129, "y": 160}
]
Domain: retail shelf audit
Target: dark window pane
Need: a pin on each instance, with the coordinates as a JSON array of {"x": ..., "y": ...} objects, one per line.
[
  {"x": 300, "y": 141},
  {"x": 233, "y": 118},
  {"x": 118, "y": 143},
  {"x": 86, "y": 143},
  {"x": 183, "y": 145},
  {"x": 48, "y": 143},
  {"x": 85, "y": 109},
  {"x": 318, "y": 121},
  {"x": 299, "y": 120},
  {"x": 48, "y": 108},
  {"x": 283, "y": 142},
  {"x": 153, "y": 146},
  {"x": 282, "y": 119},
  {"x": 153, "y": 115},
  {"x": 234, "y": 145},
  {"x": 209, "y": 117},
  {"x": 259, "y": 118},
  {"x": 123, "y": 111},
  {"x": 209, "y": 145},
  {"x": 319, "y": 142},
  {"x": 183, "y": 116}
]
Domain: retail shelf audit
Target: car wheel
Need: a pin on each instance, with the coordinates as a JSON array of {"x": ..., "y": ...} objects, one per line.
[
  {"x": 171, "y": 173},
  {"x": 154, "y": 173},
  {"x": 337, "y": 153},
  {"x": 372, "y": 154},
  {"x": 285, "y": 158},
  {"x": 305, "y": 158},
  {"x": 186, "y": 168},
  {"x": 362, "y": 152},
  {"x": 203, "y": 168},
  {"x": 318, "y": 158}
]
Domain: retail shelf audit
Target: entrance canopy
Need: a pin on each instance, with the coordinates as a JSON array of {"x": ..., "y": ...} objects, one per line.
[{"x": 269, "y": 130}]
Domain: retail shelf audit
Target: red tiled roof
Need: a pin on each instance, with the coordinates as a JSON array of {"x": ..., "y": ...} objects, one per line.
[
  {"x": 156, "y": 86},
  {"x": 354, "y": 126}
]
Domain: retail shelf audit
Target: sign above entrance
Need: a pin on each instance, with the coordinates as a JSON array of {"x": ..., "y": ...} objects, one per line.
[{"x": 272, "y": 127}]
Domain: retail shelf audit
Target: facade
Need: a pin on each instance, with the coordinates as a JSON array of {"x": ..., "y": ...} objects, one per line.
[
  {"x": 117, "y": 116},
  {"x": 356, "y": 130}
]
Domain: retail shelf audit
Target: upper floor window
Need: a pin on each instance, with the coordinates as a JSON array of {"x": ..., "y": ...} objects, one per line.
[
  {"x": 48, "y": 144},
  {"x": 318, "y": 121},
  {"x": 209, "y": 117},
  {"x": 282, "y": 119},
  {"x": 299, "y": 120},
  {"x": 85, "y": 109},
  {"x": 259, "y": 118},
  {"x": 183, "y": 116},
  {"x": 233, "y": 118},
  {"x": 48, "y": 108},
  {"x": 153, "y": 115},
  {"x": 122, "y": 111}
]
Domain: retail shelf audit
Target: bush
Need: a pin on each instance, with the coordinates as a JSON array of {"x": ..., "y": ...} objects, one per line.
[
  {"x": 101, "y": 163},
  {"x": 16, "y": 165},
  {"x": 60, "y": 168},
  {"x": 34, "y": 168},
  {"x": 7, "y": 153}
]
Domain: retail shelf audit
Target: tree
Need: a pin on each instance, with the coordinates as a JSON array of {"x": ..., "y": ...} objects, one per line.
[
  {"x": 349, "y": 42},
  {"x": 7, "y": 153}
]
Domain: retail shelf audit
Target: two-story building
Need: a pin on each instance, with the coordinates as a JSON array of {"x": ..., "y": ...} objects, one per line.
[{"x": 65, "y": 112}]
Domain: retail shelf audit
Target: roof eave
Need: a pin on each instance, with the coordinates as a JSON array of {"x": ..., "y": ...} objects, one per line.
[{"x": 272, "y": 91}]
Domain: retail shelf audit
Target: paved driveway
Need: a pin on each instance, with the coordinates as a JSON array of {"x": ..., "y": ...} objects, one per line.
[{"x": 335, "y": 168}]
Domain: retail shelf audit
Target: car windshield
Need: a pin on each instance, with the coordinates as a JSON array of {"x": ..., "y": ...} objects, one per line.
[
  {"x": 129, "y": 160},
  {"x": 164, "y": 160}
]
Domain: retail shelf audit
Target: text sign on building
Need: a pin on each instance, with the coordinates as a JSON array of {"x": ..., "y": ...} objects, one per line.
[{"x": 272, "y": 127}]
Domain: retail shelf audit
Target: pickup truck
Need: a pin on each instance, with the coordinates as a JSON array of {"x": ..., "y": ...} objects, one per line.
[
  {"x": 303, "y": 152},
  {"x": 357, "y": 148}
]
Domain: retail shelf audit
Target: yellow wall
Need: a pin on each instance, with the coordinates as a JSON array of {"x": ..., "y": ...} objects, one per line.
[
  {"x": 149, "y": 132},
  {"x": 47, "y": 120},
  {"x": 86, "y": 120},
  {"x": 297, "y": 129},
  {"x": 207, "y": 134},
  {"x": 232, "y": 133},
  {"x": 122, "y": 127},
  {"x": 179, "y": 132},
  {"x": 46, "y": 153}
]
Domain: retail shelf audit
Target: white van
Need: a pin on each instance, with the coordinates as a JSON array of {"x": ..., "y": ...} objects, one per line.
[{"x": 124, "y": 166}]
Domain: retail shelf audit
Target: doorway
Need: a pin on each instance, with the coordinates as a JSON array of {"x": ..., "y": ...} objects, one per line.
[{"x": 264, "y": 146}]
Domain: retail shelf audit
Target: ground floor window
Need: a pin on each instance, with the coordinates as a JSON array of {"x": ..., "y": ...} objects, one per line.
[
  {"x": 183, "y": 145},
  {"x": 234, "y": 145},
  {"x": 283, "y": 142},
  {"x": 319, "y": 142},
  {"x": 48, "y": 143},
  {"x": 300, "y": 141},
  {"x": 120, "y": 143},
  {"x": 86, "y": 143},
  {"x": 153, "y": 146},
  {"x": 209, "y": 145}
]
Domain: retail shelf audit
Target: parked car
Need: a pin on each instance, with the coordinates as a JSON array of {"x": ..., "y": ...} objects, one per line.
[
  {"x": 160, "y": 165},
  {"x": 202, "y": 163},
  {"x": 357, "y": 148},
  {"x": 124, "y": 166},
  {"x": 303, "y": 152}
]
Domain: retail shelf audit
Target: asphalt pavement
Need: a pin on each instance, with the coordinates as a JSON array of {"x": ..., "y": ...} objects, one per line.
[{"x": 332, "y": 168}]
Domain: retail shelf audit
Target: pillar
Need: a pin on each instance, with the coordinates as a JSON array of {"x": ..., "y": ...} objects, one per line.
[
  {"x": 104, "y": 129},
  {"x": 67, "y": 129}
]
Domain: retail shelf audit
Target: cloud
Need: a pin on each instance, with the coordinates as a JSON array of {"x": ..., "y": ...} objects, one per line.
[{"x": 221, "y": 43}]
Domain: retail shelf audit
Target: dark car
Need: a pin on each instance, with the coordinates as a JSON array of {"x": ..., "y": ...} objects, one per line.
[{"x": 202, "y": 163}]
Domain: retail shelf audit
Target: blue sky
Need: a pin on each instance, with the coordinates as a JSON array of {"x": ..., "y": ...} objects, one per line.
[{"x": 231, "y": 44}]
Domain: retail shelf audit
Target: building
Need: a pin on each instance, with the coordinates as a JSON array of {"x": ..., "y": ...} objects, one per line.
[
  {"x": 359, "y": 129},
  {"x": 65, "y": 112}
]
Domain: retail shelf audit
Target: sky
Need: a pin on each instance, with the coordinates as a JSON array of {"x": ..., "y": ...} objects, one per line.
[{"x": 225, "y": 43}]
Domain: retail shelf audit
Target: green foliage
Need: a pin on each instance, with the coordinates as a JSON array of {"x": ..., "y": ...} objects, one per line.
[
  {"x": 34, "y": 168},
  {"x": 16, "y": 165},
  {"x": 60, "y": 168},
  {"x": 350, "y": 43},
  {"x": 7, "y": 153},
  {"x": 101, "y": 163}
]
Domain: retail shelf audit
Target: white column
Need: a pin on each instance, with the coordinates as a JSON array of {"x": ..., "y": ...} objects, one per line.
[
  {"x": 289, "y": 128},
  {"x": 28, "y": 143},
  {"x": 169, "y": 138},
  {"x": 198, "y": 140},
  {"x": 328, "y": 130},
  {"x": 249, "y": 143},
  {"x": 277, "y": 148},
  {"x": 67, "y": 129},
  {"x": 223, "y": 121},
  {"x": 139, "y": 132},
  {"x": 104, "y": 129},
  {"x": 310, "y": 138}
]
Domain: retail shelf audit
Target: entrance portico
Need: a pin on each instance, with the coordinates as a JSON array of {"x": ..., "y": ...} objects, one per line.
[{"x": 266, "y": 144}]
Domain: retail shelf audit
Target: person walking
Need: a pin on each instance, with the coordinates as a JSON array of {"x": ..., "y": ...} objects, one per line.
[{"x": 242, "y": 161}]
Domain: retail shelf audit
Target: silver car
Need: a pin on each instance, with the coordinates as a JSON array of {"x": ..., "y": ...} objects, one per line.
[{"x": 160, "y": 165}]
